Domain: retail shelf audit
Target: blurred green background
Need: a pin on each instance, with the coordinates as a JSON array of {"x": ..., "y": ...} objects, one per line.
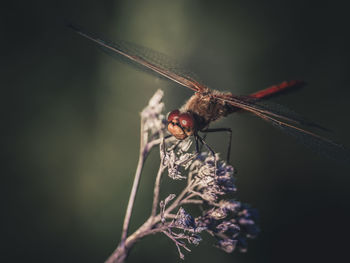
[{"x": 71, "y": 124}]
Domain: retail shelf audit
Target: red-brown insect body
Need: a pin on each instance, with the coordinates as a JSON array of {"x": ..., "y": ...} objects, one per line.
[
  {"x": 198, "y": 112},
  {"x": 207, "y": 105},
  {"x": 206, "y": 108}
]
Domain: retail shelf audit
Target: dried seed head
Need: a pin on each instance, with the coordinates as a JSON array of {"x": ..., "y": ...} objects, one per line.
[
  {"x": 210, "y": 182},
  {"x": 184, "y": 220},
  {"x": 153, "y": 119}
]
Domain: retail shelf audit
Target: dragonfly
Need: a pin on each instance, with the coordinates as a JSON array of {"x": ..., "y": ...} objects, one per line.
[{"x": 207, "y": 105}]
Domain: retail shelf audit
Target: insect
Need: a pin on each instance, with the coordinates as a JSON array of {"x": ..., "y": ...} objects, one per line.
[{"x": 207, "y": 105}]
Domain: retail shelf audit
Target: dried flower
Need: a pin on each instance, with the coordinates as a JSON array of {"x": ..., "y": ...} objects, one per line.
[
  {"x": 210, "y": 184},
  {"x": 232, "y": 223},
  {"x": 227, "y": 245},
  {"x": 153, "y": 119},
  {"x": 163, "y": 204},
  {"x": 184, "y": 220},
  {"x": 176, "y": 157}
]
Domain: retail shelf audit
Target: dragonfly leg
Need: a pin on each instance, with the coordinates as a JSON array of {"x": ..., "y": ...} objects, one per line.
[
  {"x": 230, "y": 138},
  {"x": 201, "y": 140},
  {"x": 175, "y": 145},
  {"x": 198, "y": 150}
]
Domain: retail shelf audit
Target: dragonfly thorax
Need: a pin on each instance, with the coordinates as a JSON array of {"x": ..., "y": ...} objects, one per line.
[{"x": 206, "y": 108}]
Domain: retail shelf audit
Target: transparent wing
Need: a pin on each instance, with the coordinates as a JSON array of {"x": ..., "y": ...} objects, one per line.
[
  {"x": 276, "y": 110},
  {"x": 290, "y": 123},
  {"x": 147, "y": 58}
]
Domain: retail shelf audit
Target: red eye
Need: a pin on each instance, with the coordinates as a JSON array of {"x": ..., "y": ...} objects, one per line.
[
  {"x": 173, "y": 114},
  {"x": 186, "y": 120}
]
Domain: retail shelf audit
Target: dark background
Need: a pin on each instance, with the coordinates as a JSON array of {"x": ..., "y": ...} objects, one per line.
[{"x": 70, "y": 124}]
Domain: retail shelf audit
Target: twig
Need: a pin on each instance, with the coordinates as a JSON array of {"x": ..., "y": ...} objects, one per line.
[
  {"x": 144, "y": 150},
  {"x": 134, "y": 188},
  {"x": 191, "y": 201},
  {"x": 157, "y": 184},
  {"x": 178, "y": 199}
]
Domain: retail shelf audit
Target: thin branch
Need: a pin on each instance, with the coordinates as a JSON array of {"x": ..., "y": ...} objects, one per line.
[
  {"x": 144, "y": 150},
  {"x": 177, "y": 243},
  {"x": 157, "y": 185},
  {"x": 121, "y": 252},
  {"x": 191, "y": 201},
  {"x": 134, "y": 188},
  {"x": 177, "y": 201}
]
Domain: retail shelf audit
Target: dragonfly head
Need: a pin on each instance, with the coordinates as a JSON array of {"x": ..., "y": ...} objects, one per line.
[{"x": 181, "y": 125}]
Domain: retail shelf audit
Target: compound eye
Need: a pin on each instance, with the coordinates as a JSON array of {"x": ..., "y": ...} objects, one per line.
[
  {"x": 173, "y": 114},
  {"x": 186, "y": 120}
]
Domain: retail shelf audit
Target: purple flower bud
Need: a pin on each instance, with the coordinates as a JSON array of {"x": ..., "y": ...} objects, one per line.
[
  {"x": 184, "y": 220},
  {"x": 227, "y": 245},
  {"x": 217, "y": 213}
]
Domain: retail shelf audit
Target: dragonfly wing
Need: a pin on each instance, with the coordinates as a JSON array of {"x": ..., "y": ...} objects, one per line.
[
  {"x": 270, "y": 109},
  {"x": 317, "y": 143},
  {"x": 289, "y": 123},
  {"x": 145, "y": 58}
]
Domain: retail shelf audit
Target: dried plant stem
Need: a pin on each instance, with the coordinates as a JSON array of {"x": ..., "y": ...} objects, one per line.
[
  {"x": 132, "y": 199},
  {"x": 178, "y": 200},
  {"x": 121, "y": 252},
  {"x": 144, "y": 150},
  {"x": 148, "y": 228},
  {"x": 156, "y": 189},
  {"x": 135, "y": 185}
]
